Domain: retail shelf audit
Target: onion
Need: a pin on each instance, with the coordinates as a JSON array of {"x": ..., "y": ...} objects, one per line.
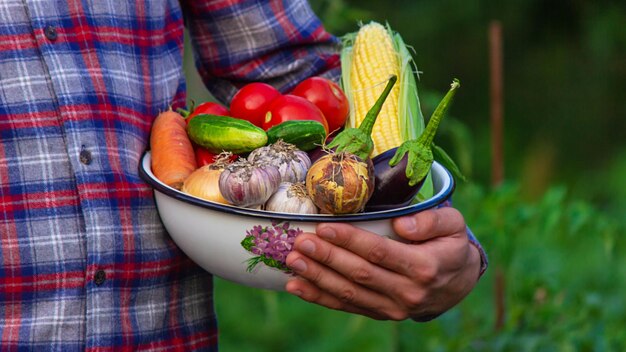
[
  {"x": 343, "y": 181},
  {"x": 340, "y": 183},
  {"x": 291, "y": 198},
  {"x": 204, "y": 182},
  {"x": 248, "y": 185},
  {"x": 292, "y": 163}
]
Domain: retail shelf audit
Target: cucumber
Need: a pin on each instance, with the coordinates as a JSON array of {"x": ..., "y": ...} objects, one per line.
[
  {"x": 222, "y": 133},
  {"x": 304, "y": 134}
]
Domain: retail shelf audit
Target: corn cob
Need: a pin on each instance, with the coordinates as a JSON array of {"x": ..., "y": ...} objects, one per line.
[
  {"x": 368, "y": 58},
  {"x": 374, "y": 61}
]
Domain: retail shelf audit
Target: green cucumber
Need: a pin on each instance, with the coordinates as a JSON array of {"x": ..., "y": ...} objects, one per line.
[
  {"x": 222, "y": 133},
  {"x": 304, "y": 134}
]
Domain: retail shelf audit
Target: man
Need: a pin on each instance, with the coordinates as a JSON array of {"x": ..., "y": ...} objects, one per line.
[{"x": 86, "y": 263}]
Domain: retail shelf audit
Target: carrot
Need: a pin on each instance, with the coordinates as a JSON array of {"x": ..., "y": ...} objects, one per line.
[{"x": 173, "y": 158}]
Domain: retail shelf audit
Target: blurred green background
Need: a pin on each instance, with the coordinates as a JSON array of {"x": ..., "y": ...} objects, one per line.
[{"x": 554, "y": 228}]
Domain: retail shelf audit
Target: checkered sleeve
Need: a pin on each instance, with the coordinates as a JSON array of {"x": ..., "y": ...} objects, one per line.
[
  {"x": 484, "y": 261},
  {"x": 277, "y": 42}
]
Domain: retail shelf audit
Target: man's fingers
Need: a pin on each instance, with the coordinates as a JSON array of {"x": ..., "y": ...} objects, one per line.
[
  {"x": 429, "y": 224},
  {"x": 307, "y": 291},
  {"x": 332, "y": 280},
  {"x": 377, "y": 251},
  {"x": 336, "y": 269}
]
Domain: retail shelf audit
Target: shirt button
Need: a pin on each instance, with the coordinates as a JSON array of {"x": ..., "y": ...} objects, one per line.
[
  {"x": 50, "y": 33},
  {"x": 99, "y": 277},
  {"x": 85, "y": 155}
]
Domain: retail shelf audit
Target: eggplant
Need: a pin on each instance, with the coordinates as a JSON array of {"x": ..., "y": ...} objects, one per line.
[
  {"x": 316, "y": 153},
  {"x": 400, "y": 172},
  {"x": 391, "y": 185}
]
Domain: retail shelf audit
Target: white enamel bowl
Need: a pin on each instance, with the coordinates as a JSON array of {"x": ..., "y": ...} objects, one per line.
[{"x": 211, "y": 233}]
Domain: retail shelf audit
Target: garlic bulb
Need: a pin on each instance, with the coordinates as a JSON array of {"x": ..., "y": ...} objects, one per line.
[
  {"x": 248, "y": 185},
  {"x": 292, "y": 163},
  {"x": 291, "y": 198}
]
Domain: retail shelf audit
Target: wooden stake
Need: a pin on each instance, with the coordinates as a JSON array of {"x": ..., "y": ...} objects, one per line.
[
  {"x": 497, "y": 163},
  {"x": 496, "y": 95}
]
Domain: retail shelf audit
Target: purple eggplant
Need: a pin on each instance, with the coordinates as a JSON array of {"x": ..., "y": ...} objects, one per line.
[
  {"x": 319, "y": 151},
  {"x": 391, "y": 185},
  {"x": 400, "y": 172}
]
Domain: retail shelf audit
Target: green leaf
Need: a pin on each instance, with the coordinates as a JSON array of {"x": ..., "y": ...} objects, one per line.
[
  {"x": 247, "y": 242},
  {"x": 444, "y": 159}
]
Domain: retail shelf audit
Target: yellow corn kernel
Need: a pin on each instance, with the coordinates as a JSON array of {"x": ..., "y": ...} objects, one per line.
[{"x": 374, "y": 61}]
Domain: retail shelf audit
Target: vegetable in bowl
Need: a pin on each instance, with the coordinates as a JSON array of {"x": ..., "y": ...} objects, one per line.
[{"x": 400, "y": 172}]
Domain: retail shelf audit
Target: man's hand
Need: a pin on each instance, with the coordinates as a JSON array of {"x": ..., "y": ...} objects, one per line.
[{"x": 346, "y": 268}]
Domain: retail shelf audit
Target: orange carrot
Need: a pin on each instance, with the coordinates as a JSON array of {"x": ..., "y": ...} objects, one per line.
[{"x": 173, "y": 158}]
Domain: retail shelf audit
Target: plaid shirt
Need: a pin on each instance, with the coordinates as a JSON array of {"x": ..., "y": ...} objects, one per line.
[{"x": 85, "y": 261}]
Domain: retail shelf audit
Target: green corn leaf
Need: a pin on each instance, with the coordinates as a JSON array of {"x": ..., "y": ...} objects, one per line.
[
  {"x": 346, "y": 63},
  {"x": 444, "y": 159},
  {"x": 411, "y": 119}
]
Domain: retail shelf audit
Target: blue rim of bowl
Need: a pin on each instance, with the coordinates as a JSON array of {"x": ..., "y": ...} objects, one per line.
[{"x": 146, "y": 174}]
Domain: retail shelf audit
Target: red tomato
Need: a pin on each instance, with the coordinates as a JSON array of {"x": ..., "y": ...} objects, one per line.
[
  {"x": 290, "y": 107},
  {"x": 208, "y": 108},
  {"x": 252, "y": 101},
  {"x": 205, "y": 157},
  {"x": 328, "y": 97}
]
